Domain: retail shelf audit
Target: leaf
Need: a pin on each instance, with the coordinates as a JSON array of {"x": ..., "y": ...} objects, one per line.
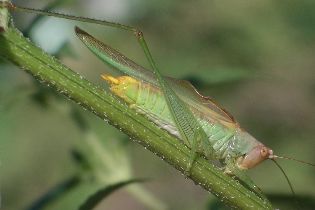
[
  {"x": 56, "y": 192},
  {"x": 94, "y": 199}
]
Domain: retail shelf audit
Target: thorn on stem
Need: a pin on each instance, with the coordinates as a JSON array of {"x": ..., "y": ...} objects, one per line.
[
  {"x": 139, "y": 34},
  {"x": 7, "y": 5}
]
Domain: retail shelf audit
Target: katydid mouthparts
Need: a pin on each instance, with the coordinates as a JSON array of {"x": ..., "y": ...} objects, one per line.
[{"x": 174, "y": 105}]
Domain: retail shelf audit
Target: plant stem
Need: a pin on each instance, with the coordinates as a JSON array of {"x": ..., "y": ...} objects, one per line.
[{"x": 45, "y": 68}]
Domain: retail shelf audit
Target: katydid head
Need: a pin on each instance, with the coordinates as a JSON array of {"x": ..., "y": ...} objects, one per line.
[{"x": 258, "y": 154}]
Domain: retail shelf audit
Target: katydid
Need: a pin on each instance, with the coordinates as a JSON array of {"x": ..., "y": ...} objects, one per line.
[{"x": 175, "y": 105}]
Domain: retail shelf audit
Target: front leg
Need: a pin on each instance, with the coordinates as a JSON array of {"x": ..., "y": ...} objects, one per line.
[{"x": 231, "y": 169}]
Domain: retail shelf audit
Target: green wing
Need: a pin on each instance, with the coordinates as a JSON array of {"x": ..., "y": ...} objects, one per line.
[
  {"x": 182, "y": 98},
  {"x": 114, "y": 58},
  {"x": 182, "y": 88}
]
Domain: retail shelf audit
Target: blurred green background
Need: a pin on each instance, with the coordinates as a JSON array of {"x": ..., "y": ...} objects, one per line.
[{"x": 255, "y": 58}]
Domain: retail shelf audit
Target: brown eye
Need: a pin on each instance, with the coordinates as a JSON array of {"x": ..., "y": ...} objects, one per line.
[{"x": 263, "y": 152}]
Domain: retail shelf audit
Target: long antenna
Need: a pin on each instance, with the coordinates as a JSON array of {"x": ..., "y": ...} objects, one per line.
[
  {"x": 290, "y": 184},
  {"x": 285, "y": 175},
  {"x": 289, "y": 158}
]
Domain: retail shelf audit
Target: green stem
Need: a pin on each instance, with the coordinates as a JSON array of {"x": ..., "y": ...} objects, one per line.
[{"x": 17, "y": 49}]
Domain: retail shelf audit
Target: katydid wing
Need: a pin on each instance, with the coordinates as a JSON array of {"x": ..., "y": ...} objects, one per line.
[
  {"x": 122, "y": 63},
  {"x": 189, "y": 128}
]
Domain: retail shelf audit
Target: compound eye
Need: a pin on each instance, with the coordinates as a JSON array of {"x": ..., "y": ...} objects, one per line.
[{"x": 264, "y": 152}]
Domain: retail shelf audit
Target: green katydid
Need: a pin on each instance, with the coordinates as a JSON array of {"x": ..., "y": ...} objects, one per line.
[{"x": 175, "y": 105}]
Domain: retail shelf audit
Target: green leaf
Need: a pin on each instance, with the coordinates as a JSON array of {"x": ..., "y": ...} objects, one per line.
[{"x": 56, "y": 192}]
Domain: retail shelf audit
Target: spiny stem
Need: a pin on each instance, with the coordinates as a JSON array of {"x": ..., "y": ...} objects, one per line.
[{"x": 45, "y": 68}]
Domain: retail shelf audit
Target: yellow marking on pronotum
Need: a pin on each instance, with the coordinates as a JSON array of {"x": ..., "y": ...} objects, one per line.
[
  {"x": 110, "y": 79},
  {"x": 125, "y": 87}
]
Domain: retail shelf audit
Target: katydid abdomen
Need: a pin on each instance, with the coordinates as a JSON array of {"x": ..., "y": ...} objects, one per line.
[{"x": 229, "y": 142}]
